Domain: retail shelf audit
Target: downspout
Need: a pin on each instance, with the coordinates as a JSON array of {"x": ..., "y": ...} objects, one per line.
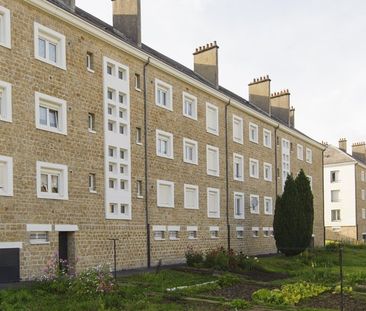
[
  {"x": 148, "y": 244},
  {"x": 227, "y": 179},
  {"x": 324, "y": 234},
  {"x": 356, "y": 201},
  {"x": 276, "y": 159}
]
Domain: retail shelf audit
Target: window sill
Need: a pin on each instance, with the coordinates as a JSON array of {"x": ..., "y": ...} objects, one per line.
[
  {"x": 269, "y": 180},
  {"x": 214, "y": 238},
  {"x": 192, "y": 208},
  {"x": 6, "y": 194},
  {"x": 269, "y": 147},
  {"x": 139, "y": 144},
  {"x": 8, "y": 120},
  {"x": 240, "y": 237},
  {"x": 256, "y": 177},
  {"x": 238, "y": 141},
  {"x": 6, "y": 45},
  {"x": 253, "y": 141},
  {"x": 189, "y": 162},
  {"x": 90, "y": 70},
  {"x": 165, "y": 206},
  {"x": 254, "y": 212},
  {"x": 156, "y": 239},
  {"x": 38, "y": 243},
  {"x": 216, "y": 133},
  {"x": 174, "y": 239},
  {"x": 165, "y": 157},
  {"x": 137, "y": 89},
  {"x": 192, "y": 239},
  {"x": 52, "y": 197},
  {"x": 165, "y": 107},
  {"x": 51, "y": 130},
  {"x": 239, "y": 217},
  {"x": 92, "y": 131},
  {"x": 240, "y": 180},
  {"x": 140, "y": 196},
  {"x": 93, "y": 191},
  {"x": 43, "y": 60},
  {"x": 194, "y": 118}
]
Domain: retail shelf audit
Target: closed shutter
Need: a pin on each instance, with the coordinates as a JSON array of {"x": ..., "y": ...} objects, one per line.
[
  {"x": 211, "y": 119},
  {"x": 2, "y": 176},
  {"x": 191, "y": 198},
  {"x": 212, "y": 160},
  {"x": 213, "y": 204},
  {"x": 165, "y": 195}
]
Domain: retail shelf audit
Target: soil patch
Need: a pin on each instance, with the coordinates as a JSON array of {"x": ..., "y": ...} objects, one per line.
[
  {"x": 265, "y": 276},
  {"x": 332, "y": 301}
]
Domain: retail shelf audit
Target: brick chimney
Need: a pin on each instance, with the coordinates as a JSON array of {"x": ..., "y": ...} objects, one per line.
[
  {"x": 342, "y": 144},
  {"x": 206, "y": 62},
  {"x": 260, "y": 93},
  {"x": 68, "y": 3},
  {"x": 359, "y": 151},
  {"x": 280, "y": 106},
  {"x": 127, "y": 19},
  {"x": 292, "y": 117}
]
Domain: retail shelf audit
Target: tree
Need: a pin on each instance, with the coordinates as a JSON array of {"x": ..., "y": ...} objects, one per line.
[{"x": 294, "y": 216}]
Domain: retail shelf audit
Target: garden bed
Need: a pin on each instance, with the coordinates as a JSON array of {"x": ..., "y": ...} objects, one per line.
[{"x": 265, "y": 276}]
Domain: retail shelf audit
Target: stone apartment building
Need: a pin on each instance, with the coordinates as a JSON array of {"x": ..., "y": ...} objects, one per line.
[
  {"x": 345, "y": 192},
  {"x": 102, "y": 137}
]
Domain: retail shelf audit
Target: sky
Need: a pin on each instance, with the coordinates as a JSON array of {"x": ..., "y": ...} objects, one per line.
[{"x": 314, "y": 48}]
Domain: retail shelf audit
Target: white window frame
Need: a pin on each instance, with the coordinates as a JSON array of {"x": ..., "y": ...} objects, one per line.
[
  {"x": 56, "y": 104},
  {"x": 192, "y": 229},
  {"x": 92, "y": 180},
  {"x": 239, "y": 120},
  {"x": 169, "y": 97},
  {"x": 267, "y": 166},
  {"x": 159, "y": 229},
  {"x": 193, "y": 99},
  {"x": 338, "y": 196},
  {"x": 336, "y": 176},
  {"x": 256, "y": 162},
  {"x": 254, "y": 127},
  {"x": 267, "y": 133},
  {"x": 194, "y": 144},
  {"x": 363, "y": 214},
  {"x": 215, "y": 109},
  {"x": 255, "y": 229},
  {"x": 240, "y": 229},
  {"x": 165, "y": 183},
  {"x": 363, "y": 195},
  {"x": 173, "y": 229},
  {"x": 209, "y": 210},
  {"x": 238, "y": 159},
  {"x": 362, "y": 175},
  {"x": 300, "y": 152},
  {"x": 265, "y": 200},
  {"x": 309, "y": 155},
  {"x": 7, "y": 191},
  {"x": 214, "y": 229},
  {"x": 266, "y": 232},
  {"x": 337, "y": 213},
  {"x": 196, "y": 189},
  {"x": 209, "y": 171},
  {"x": 51, "y": 36},
  {"x": 285, "y": 160},
  {"x": 6, "y": 101},
  {"x": 310, "y": 181},
  {"x": 63, "y": 180},
  {"x": 257, "y": 210},
  {"x": 242, "y": 208},
  {"x": 170, "y": 144},
  {"x": 5, "y": 27}
]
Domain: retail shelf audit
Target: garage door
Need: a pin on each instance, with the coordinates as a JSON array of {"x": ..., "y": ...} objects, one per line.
[{"x": 9, "y": 265}]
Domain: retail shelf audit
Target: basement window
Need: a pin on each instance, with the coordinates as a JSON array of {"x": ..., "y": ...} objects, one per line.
[
  {"x": 255, "y": 232},
  {"x": 240, "y": 232},
  {"x": 159, "y": 233},
  {"x": 173, "y": 232},
  {"x": 214, "y": 232},
  {"x": 38, "y": 238},
  {"x": 192, "y": 232}
]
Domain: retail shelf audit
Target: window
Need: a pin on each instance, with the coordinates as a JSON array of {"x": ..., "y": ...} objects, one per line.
[
  {"x": 309, "y": 155},
  {"x": 189, "y": 106},
  {"x": 213, "y": 168},
  {"x": 300, "y": 152},
  {"x": 214, "y": 232},
  {"x": 268, "y": 206},
  {"x": 92, "y": 183},
  {"x": 192, "y": 232},
  {"x": 267, "y": 138},
  {"x": 112, "y": 183},
  {"x": 139, "y": 189},
  {"x": 254, "y": 204},
  {"x": 364, "y": 236},
  {"x": 51, "y": 114},
  {"x": 253, "y": 133},
  {"x": 49, "y": 46},
  {"x": 173, "y": 232},
  {"x": 52, "y": 181},
  {"x": 213, "y": 203},
  {"x": 239, "y": 205},
  {"x": 159, "y": 233},
  {"x": 334, "y": 176},
  {"x": 266, "y": 232},
  {"x": 5, "y": 101},
  {"x": 190, "y": 151},
  {"x": 116, "y": 211},
  {"x": 110, "y": 69},
  {"x": 122, "y": 74},
  {"x": 112, "y": 152},
  {"x": 123, "y": 154},
  {"x": 334, "y": 195},
  {"x": 163, "y": 95},
  {"x": 6, "y": 176},
  {"x": 164, "y": 144},
  {"x": 238, "y": 167},
  {"x": 138, "y": 136},
  {"x": 310, "y": 181},
  {"x": 90, "y": 61},
  {"x": 267, "y": 168},
  {"x": 336, "y": 215},
  {"x": 191, "y": 197},
  {"x": 285, "y": 161},
  {"x": 253, "y": 168},
  {"x": 5, "y": 28},
  {"x": 38, "y": 238},
  {"x": 91, "y": 122},
  {"x": 362, "y": 175},
  {"x": 363, "y": 194},
  {"x": 137, "y": 82},
  {"x": 165, "y": 193},
  {"x": 255, "y": 232},
  {"x": 240, "y": 232},
  {"x": 238, "y": 129},
  {"x": 364, "y": 213},
  {"x": 212, "y": 119}
]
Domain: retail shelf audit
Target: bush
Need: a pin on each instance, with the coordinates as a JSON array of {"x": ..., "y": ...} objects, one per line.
[
  {"x": 193, "y": 257},
  {"x": 247, "y": 263},
  {"x": 227, "y": 280},
  {"x": 238, "y": 304}
]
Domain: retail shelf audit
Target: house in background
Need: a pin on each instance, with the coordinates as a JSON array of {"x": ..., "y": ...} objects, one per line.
[{"x": 345, "y": 192}]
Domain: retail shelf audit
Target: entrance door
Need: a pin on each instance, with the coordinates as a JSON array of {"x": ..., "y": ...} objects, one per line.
[
  {"x": 62, "y": 249},
  {"x": 9, "y": 265}
]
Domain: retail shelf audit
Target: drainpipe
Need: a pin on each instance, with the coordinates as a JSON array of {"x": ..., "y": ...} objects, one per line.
[
  {"x": 356, "y": 201},
  {"x": 148, "y": 243},
  {"x": 323, "y": 197},
  {"x": 276, "y": 160},
  {"x": 227, "y": 179}
]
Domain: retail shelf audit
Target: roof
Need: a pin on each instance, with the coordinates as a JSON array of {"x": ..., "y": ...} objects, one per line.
[
  {"x": 334, "y": 155},
  {"x": 167, "y": 60}
]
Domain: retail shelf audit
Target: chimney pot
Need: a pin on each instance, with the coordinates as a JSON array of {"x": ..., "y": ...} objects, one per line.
[
  {"x": 359, "y": 151},
  {"x": 342, "y": 144},
  {"x": 68, "y": 3},
  {"x": 260, "y": 93},
  {"x": 280, "y": 107}
]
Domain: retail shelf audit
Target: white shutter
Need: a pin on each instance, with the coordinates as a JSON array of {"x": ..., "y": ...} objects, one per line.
[
  {"x": 213, "y": 204},
  {"x": 191, "y": 198},
  {"x": 165, "y": 195},
  {"x": 2, "y": 176},
  {"x": 212, "y": 161},
  {"x": 211, "y": 119}
]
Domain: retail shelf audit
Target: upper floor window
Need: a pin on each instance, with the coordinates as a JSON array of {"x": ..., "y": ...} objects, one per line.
[
  {"x": 267, "y": 174},
  {"x": 213, "y": 203},
  {"x": 52, "y": 181},
  {"x": 238, "y": 167},
  {"x": 334, "y": 195},
  {"x": 336, "y": 215},
  {"x": 137, "y": 82},
  {"x": 254, "y": 204},
  {"x": 90, "y": 61},
  {"x": 334, "y": 176},
  {"x": 309, "y": 155},
  {"x": 253, "y": 168},
  {"x": 91, "y": 122},
  {"x": 5, "y": 28},
  {"x": 253, "y": 133},
  {"x": 51, "y": 114},
  {"x": 363, "y": 194},
  {"x": 362, "y": 175},
  {"x": 6, "y": 176},
  {"x": 237, "y": 129},
  {"x": 165, "y": 193},
  {"x": 268, "y": 206},
  {"x": 310, "y": 178},
  {"x": 212, "y": 119},
  {"x": 191, "y": 200},
  {"x": 50, "y": 46},
  {"x": 163, "y": 95},
  {"x": 189, "y": 106},
  {"x": 212, "y": 154},
  {"x": 300, "y": 152},
  {"x": 92, "y": 183},
  {"x": 239, "y": 205},
  {"x": 5, "y": 102},
  {"x": 267, "y": 138},
  {"x": 190, "y": 151},
  {"x": 164, "y": 144},
  {"x": 138, "y": 135}
]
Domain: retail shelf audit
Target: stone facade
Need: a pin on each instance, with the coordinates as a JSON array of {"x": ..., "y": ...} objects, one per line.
[{"x": 83, "y": 153}]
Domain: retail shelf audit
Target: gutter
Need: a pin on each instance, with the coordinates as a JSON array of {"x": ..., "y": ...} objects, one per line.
[{"x": 227, "y": 178}]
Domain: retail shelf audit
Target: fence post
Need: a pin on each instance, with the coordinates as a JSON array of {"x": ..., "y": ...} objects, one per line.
[{"x": 341, "y": 274}]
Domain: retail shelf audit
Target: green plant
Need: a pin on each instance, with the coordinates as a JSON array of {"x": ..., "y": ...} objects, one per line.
[
  {"x": 227, "y": 280},
  {"x": 193, "y": 258},
  {"x": 238, "y": 304}
]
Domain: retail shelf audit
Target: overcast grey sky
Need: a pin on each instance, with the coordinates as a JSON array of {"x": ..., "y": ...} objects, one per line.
[{"x": 315, "y": 48}]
